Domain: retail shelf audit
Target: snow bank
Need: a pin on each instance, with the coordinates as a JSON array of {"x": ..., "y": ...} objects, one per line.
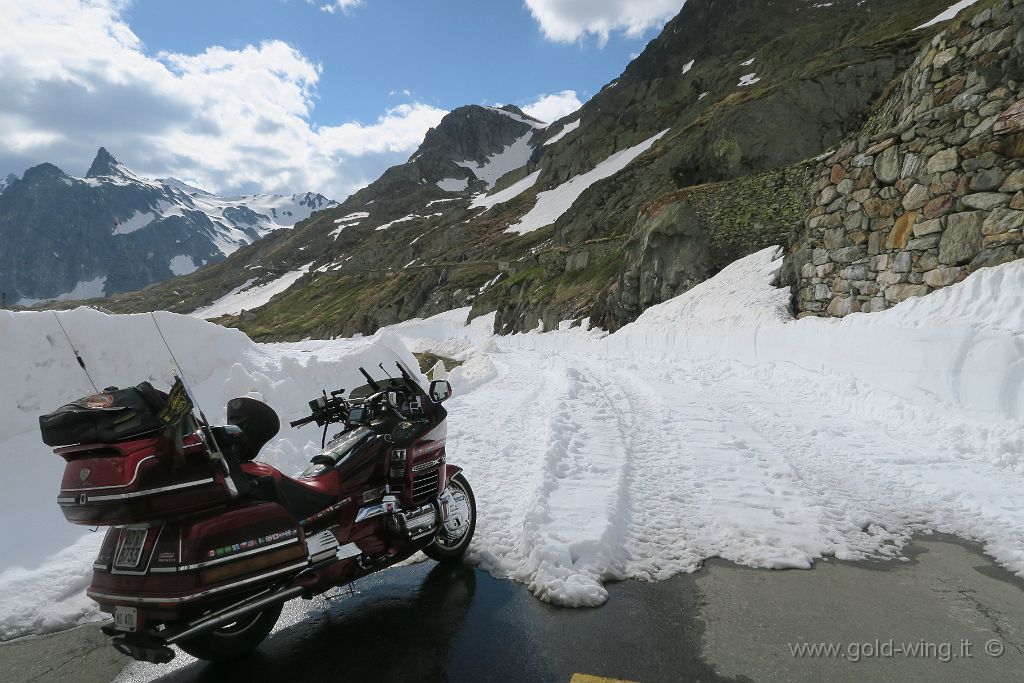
[
  {"x": 512, "y": 157},
  {"x": 551, "y": 204},
  {"x": 961, "y": 346},
  {"x": 509, "y": 193},
  {"x": 86, "y": 289},
  {"x": 42, "y": 374},
  {"x": 948, "y": 14},
  {"x": 570, "y": 127},
  {"x": 453, "y": 184},
  {"x": 246, "y": 297}
]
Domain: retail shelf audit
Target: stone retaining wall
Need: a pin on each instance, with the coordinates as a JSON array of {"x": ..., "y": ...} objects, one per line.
[{"x": 933, "y": 189}]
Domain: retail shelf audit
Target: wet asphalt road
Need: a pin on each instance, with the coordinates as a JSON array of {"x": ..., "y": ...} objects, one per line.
[
  {"x": 431, "y": 623},
  {"x": 434, "y": 623}
]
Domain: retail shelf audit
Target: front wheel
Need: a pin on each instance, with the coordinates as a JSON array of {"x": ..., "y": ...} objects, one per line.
[
  {"x": 452, "y": 539},
  {"x": 234, "y": 639}
]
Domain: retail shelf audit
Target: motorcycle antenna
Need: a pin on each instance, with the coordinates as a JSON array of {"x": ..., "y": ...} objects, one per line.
[
  {"x": 78, "y": 356},
  {"x": 180, "y": 372},
  {"x": 215, "y": 450}
]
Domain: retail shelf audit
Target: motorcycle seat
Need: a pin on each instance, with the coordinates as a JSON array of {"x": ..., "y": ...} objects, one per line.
[{"x": 301, "y": 501}]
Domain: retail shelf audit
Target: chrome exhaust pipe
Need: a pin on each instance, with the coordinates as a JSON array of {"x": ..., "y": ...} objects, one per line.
[{"x": 217, "y": 619}]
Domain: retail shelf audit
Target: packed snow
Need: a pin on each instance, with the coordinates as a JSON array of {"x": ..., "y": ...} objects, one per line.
[
  {"x": 551, "y": 204},
  {"x": 182, "y": 265},
  {"x": 509, "y": 159},
  {"x": 715, "y": 425},
  {"x": 403, "y": 219},
  {"x": 951, "y": 12},
  {"x": 509, "y": 193},
  {"x": 516, "y": 117},
  {"x": 136, "y": 221},
  {"x": 688, "y": 66},
  {"x": 453, "y": 184},
  {"x": 566, "y": 129},
  {"x": 86, "y": 289},
  {"x": 347, "y": 221},
  {"x": 354, "y": 216},
  {"x": 248, "y": 296},
  {"x": 748, "y": 79}
]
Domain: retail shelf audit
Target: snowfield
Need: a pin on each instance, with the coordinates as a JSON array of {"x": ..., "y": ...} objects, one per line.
[{"x": 713, "y": 426}]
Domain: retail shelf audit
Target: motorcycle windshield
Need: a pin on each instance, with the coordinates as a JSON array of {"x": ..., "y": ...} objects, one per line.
[{"x": 392, "y": 371}]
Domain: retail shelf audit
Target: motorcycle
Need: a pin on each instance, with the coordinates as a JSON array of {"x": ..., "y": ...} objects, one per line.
[{"x": 205, "y": 544}]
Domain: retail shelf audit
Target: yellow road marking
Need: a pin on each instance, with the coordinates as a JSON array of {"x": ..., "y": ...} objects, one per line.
[{"x": 587, "y": 678}]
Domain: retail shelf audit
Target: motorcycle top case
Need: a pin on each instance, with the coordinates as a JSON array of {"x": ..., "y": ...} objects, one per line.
[
  {"x": 112, "y": 416},
  {"x": 139, "y": 481}
]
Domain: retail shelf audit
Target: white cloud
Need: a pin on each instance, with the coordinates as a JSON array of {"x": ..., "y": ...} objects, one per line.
[
  {"x": 341, "y": 6},
  {"x": 550, "y": 108},
  {"x": 567, "y": 21},
  {"x": 75, "y": 77}
]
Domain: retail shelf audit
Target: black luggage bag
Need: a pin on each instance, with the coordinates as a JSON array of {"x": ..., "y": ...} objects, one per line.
[{"x": 112, "y": 416}]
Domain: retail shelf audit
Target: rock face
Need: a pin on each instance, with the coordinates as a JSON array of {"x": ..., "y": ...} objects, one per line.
[
  {"x": 943, "y": 198},
  {"x": 112, "y": 231}
]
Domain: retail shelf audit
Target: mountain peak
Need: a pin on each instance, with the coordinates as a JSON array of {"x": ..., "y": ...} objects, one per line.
[
  {"x": 105, "y": 165},
  {"x": 8, "y": 181}
]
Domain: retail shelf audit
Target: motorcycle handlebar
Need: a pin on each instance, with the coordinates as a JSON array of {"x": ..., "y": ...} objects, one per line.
[{"x": 303, "y": 421}]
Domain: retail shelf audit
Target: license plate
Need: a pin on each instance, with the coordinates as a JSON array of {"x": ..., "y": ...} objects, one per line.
[
  {"x": 129, "y": 549},
  {"x": 126, "y": 618}
]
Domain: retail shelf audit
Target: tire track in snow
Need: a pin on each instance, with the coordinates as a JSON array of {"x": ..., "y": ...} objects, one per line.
[
  {"x": 497, "y": 434},
  {"x": 887, "y": 468},
  {"x": 571, "y": 530},
  {"x": 711, "y": 485}
]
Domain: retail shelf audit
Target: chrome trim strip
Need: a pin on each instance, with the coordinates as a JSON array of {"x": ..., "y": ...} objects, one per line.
[
  {"x": 118, "y": 486},
  {"x": 201, "y": 594},
  {"x": 426, "y": 465},
  {"x": 221, "y": 560},
  {"x": 388, "y": 504},
  {"x": 146, "y": 492},
  {"x": 348, "y": 550}
]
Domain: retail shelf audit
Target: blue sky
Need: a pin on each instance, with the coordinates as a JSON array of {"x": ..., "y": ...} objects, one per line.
[
  {"x": 290, "y": 95},
  {"x": 444, "y": 52}
]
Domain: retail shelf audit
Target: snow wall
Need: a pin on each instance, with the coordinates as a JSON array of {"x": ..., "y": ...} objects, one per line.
[{"x": 962, "y": 345}]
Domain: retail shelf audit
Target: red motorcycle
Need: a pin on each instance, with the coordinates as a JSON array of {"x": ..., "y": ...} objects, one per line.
[{"x": 206, "y": 545}]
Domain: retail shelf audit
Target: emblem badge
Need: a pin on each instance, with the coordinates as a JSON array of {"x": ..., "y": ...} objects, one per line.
[
  {"x": 99, "y": 401},
  {"x": 84, "y": 473}
]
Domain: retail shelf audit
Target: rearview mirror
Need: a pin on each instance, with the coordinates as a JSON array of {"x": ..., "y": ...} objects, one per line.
[{"x": 440, "y": 390}]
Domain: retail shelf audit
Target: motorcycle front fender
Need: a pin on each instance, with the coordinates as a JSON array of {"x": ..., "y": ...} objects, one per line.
[{"x": 449, "y": 472}]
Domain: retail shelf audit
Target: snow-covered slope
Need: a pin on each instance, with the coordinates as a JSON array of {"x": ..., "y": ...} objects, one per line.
[{"x": 250, "y": 296}]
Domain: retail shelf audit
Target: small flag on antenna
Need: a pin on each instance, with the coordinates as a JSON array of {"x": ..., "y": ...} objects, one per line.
[{"x": 178, "y": 404}]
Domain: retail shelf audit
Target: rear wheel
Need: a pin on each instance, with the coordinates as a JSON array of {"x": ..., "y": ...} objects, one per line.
[
  {"x": 452, "y": 540},
  {"x": 234, "y": 639}
]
